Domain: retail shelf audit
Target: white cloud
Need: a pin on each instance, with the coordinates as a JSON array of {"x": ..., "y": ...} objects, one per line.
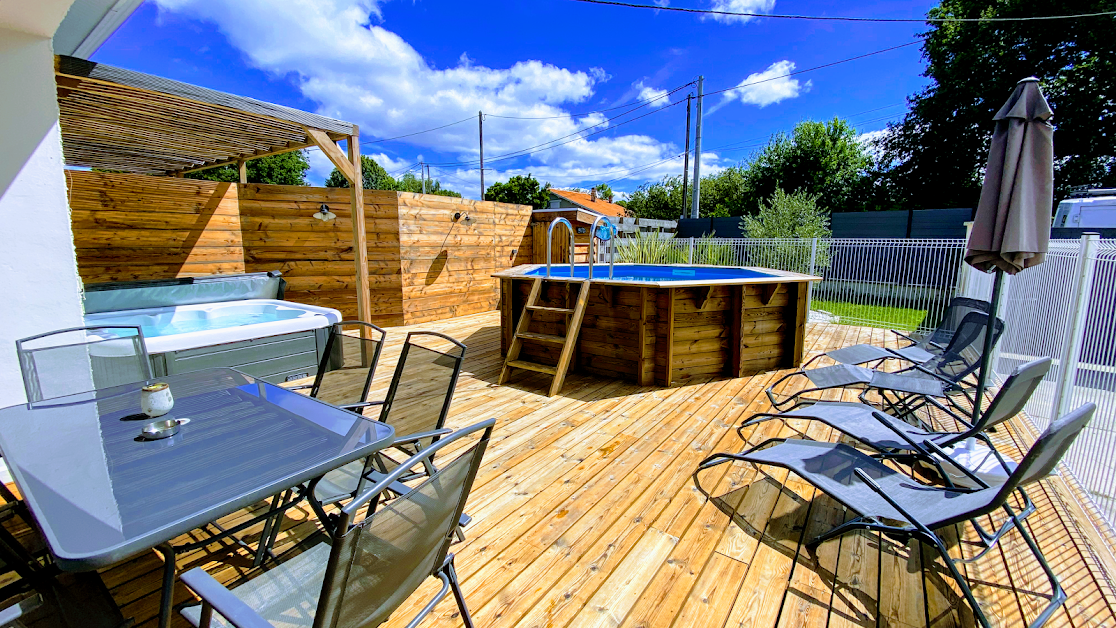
[
  {"x": 647, "y": 93},
  {"x": 738, "y": 6},
  {"x": 356, "y": 70},
  {"x": 869, "y": 141},
  {"x": 773, "y": 85}
]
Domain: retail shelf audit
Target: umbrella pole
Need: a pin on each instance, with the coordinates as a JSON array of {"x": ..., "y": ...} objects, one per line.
[{"x": 989, "y": 336}]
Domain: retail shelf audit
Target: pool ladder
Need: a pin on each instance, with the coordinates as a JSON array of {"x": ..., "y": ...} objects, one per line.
[{"x": 573, "y": 316}]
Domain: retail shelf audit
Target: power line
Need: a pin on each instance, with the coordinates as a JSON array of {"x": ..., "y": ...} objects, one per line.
[
  {"x": 415, "y": 133},
  {"x": 589, "y": 113},
  {"x": 579, "y": 135},
  {"x": 845, "y": 18},
  {"x": 816, "y": 67}
]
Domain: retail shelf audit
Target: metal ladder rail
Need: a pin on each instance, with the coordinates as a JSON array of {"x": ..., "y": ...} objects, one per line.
[
  {"x": 549, "y": 238},
  {"x": 594, "y": 238}
]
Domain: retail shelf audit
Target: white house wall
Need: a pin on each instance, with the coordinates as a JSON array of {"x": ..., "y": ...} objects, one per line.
[{"x": 38, "y": 269}]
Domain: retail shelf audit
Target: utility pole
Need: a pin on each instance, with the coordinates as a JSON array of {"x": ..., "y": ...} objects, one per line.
[
  {"x": 480, "y": 121},
  {"x": 422, "y": 175},
  {"x": 694, "y": 210},
  {"x": 686, "y": 159}
]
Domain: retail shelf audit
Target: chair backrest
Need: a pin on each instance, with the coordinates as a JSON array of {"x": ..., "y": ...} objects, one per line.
[
  {"x": 421, "y": 390},
  {"x": 81, "y": 359},
  {"x": 1048, "y": 450},
  {"x": 349, "y": 363},
  {"x": 963, "y": 354},
  {"x": 1013, "y": 395},
  {"x": 377, "y": 563},
  {"x": 955, "y": 313}
]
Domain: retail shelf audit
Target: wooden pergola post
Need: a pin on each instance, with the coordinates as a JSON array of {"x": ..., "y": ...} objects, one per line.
[
  {"x": 350, "y": 167},
  {"x": 242, "y": 168}
]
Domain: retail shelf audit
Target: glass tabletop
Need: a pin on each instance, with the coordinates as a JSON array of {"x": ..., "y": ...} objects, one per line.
[{"x": 101, "y": 492}]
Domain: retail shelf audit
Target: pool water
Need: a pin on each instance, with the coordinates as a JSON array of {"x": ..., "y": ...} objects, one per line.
[
  {"x": 651, "y": 272},
  {"x": 184, "y": 321}
]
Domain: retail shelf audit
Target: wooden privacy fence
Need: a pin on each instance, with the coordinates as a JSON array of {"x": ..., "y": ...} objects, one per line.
[{"x": 424, "y": 264}]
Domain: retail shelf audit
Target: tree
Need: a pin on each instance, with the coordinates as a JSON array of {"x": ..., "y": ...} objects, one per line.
[
  {"x": 935, "y": 156},
  {"x": 411, "y": 183},
  {"x": 790, "y": 217},
  {"x": 820, "y": 158},
  {"x": 282, "y": 169},
  {"x": 524, "y": 190},
  {"x": 372, "y": 175},
  {"x": 783, "y": 215},
  {"x": 824, "y": 159},
  {"x": 604, "y": 191}
]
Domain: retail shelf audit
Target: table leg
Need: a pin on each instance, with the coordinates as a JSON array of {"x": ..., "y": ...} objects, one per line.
[{"x": 167, "y": 599}]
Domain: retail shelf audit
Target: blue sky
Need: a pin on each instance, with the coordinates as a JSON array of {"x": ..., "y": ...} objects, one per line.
[{"x": 399, "y": 66}]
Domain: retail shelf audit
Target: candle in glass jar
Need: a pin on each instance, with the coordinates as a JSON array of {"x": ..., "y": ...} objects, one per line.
[{"x": 156, "y": 400}]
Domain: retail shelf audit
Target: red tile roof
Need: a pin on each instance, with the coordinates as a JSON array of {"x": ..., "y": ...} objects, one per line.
[{"x": 583, "y": 199}]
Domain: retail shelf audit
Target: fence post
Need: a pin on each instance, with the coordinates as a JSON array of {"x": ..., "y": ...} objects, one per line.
[
  {"x": 813, "y": 271},
  {"x": 1075, "y": 324},
  {"x": 964, "y": 275},
  {"x": 691, "y": 257}
]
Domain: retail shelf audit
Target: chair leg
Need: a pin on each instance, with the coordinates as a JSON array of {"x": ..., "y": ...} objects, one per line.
[
  {"x": 952, "y": 566},
  {"x": 455, "y": 585},
  {"x": 169, "y": 572},
  {"x": 852, "y": 524}
]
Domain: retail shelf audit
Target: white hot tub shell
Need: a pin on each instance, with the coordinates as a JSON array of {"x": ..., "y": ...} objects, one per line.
[{"x": 271, "y": 339}]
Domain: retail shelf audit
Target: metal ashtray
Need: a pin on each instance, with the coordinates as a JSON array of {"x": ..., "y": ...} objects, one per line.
[{"x": 160, "y": 429}]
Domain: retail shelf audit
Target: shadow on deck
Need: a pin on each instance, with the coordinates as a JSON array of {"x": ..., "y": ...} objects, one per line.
[{"x": 585, "y": 514}]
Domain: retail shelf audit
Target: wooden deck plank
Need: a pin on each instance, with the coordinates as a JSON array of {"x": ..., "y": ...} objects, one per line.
[{"x": 585, "y": 514}]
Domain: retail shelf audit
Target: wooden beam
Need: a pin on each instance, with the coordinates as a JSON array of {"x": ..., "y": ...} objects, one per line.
[
  {"x": 331, "y": 150},
  {"x": 255, "y": 155},
  {"x": 360, "y": 238},
  {"x": 242, "y": 167}
]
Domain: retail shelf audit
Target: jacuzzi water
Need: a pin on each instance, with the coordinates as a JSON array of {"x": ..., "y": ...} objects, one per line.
[
  {"x": 651, "y": 272},
  {"x": 179, "y": 327}
]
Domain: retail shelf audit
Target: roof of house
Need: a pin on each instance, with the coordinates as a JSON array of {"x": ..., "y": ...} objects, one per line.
[{"x": 582, "y": 199}]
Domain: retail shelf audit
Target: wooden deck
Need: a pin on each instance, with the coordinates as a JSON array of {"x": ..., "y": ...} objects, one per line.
[{"x": 585, "y": 515}]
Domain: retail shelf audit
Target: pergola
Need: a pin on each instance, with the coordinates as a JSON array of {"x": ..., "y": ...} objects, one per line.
[{"x": 117, "y": 119}]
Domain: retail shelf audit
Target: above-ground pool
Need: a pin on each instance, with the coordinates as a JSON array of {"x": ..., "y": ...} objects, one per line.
[
  {"x": 663, "y": 324},
  {"x": 270, "y": 339}
]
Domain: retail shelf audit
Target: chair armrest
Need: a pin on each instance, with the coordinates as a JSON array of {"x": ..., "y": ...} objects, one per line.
[
  {"x": 360, "y": 405},
  {"x": 222, "y": 600},
  {"x": 410, "y": 438},
  {"x": 902, "y": 335}
]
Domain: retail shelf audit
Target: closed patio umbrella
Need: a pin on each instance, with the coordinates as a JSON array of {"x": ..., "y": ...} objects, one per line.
[{"x": 1011, "y": 230}]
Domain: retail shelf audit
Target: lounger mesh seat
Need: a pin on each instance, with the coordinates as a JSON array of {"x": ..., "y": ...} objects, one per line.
[
  {"x": 884, "y": 432},
  {"x": 888, "y": 501},
  {"x": 938, "y": 377},
  {"x": 923, "y": 347}
]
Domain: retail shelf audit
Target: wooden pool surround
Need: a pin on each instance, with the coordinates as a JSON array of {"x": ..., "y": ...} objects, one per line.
[{"x": 665, "y": 332}]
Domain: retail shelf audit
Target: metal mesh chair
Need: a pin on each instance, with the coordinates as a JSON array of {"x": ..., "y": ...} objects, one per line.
[
  {"x": 416, "y": 405},
  {"x": 888, "y": 501},
  {"x": 81, "y": 359},
  {"x": 922, "y": 347},
  {"x": 348, "y": 366},
  {"x": 370, "y": 567},
  {"x": 942, "y": 375}
]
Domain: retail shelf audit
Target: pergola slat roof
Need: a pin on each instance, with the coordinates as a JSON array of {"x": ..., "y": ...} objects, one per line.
[{"x": 118, "y": 119}]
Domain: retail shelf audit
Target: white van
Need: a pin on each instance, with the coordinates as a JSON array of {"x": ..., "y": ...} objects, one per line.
[{"x": 1087, "y": 209}]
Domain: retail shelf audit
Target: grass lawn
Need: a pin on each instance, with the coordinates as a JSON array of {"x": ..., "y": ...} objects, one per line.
[{"x": 899, "y": 318}]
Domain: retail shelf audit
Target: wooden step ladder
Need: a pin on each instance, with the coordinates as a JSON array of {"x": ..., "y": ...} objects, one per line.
[{"x": 568, "y": 342}]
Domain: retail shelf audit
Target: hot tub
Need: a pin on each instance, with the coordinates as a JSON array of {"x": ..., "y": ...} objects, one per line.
[
  {"x": 270, "y": 339},
  {"x": 664, "y": 324}
]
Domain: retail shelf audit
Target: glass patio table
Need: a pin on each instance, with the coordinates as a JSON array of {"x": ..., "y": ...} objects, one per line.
[{"x": 101, "y": 493}]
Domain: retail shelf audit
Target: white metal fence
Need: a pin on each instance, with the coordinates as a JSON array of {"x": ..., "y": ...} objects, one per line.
[
  {"x": 1064, "y": 309},
  {"x": 892, "y": 283}
]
